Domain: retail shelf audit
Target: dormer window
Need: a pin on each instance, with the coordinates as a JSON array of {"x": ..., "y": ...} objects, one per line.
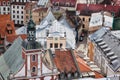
[
  {"x": 4, "y": 3},
  {"x": 9, "y": 29},
  {"x": 8, "y": 3}
]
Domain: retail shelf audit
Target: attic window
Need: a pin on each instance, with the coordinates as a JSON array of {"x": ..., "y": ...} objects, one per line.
[{"x": 8, "y": 25}]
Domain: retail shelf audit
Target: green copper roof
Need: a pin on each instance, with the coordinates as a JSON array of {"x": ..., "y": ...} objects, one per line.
[
  {"x": 116, "y": 24},
  {"x": 11, "y": 60},
  {"x": 31, "y": 24}
]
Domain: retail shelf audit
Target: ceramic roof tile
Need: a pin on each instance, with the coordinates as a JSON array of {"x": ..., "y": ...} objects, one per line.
[{"x": 64, "y": 61}]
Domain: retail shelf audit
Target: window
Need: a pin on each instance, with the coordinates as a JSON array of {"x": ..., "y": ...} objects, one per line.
[
  {"x": 89, "y": 19},
  {"x": 9, "y": 31},
  {"x": 83, "y": 19},
  {"x": 4, "y": 8},
  {"x": 17, "y": 16},
  {"x": 56, "y": 45},
  {"x": 83, "y": 26},
  {"x": 39, "y": 20},
  {"x": 13, "y": 11},
  {"x": 4, "y": 3},
  {"x": 8, "y": 3},
  {"x": 21, "y": 12},
  {"x": 13, "y": 6},
  {"x": 8, "y": 9},
  {"x": 21, "y": 22},
  {"x": 17, "y": 7},
  {"x": 22, "y": 7},
  {"x": 27, "y": 17},
  {"x": 33, "y": 57},
  {"x": 33, "y": 69},
  {"x": 51, "y": 45},
  {"x": 17, "y": 22},
  {"x": 13, "y": 16},
  {"x": 61, "y": 45},
  {"x": 21, "y": 17}
]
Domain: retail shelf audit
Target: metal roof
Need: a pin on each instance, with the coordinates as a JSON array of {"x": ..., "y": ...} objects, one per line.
[
  {"x": 11, "y": 60},
  {"x": 42, "y": 2}
]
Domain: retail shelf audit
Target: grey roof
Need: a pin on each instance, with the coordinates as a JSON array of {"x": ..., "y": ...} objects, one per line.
[
  {"x": 43, "y": 2},
  {"x": 11, "y": 60},
  {"x": 110, "y": 45},
  {"x": 98, "y": 34},
  {"x": 49, "y": 18}
]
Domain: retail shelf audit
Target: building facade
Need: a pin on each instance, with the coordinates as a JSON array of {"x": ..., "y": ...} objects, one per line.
[
  {"x": 17, "y": 11},
  {"x": 5, "y": 7},
  {"x": 38, "y": 13},
  {"x": 106, "y": 55}
]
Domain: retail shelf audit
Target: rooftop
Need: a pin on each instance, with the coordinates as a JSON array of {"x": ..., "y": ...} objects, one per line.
[
  {"x": 111, "y": 52},
  {"x": 64, "y": 3},
  {"x": 61, "y": 61},
  {"x": 11, "y": 61},
  {"x": 92, "y": 8}
]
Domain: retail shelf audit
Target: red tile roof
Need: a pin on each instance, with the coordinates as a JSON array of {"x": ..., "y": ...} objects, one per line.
[
  {"x": 98, "y": 8},
  {"x": 64, "y": 61},
  {"x": 5, "y": 17},
  {"x": 3, "y": 28},
  {"x": 13, "y": 37},
  {"x": 82, "y": 65},
  {"x": 5, "y": 25},
  {"x": 98, "y": 75}
]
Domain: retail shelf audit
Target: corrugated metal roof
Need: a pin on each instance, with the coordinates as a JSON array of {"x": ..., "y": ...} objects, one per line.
[{"x": 12, "y": 60}]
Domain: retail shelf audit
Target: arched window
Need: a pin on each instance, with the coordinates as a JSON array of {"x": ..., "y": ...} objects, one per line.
[
  {"x": 33, "y": 69},
  {"x": 33, "y": 57}
]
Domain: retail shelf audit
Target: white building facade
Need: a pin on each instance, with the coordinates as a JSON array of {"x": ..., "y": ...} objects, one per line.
[
  {"x": 17, "y": 11},
  {"x": 5, "y": 7}
]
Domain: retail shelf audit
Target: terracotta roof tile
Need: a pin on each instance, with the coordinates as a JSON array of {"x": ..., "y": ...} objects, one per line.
[
  {"x": 4, "y": 17},
  {"x": 83, "y": 66},
  {"x": 13, "y": 37},
  {"x": 3, "y": 28},
  {"x": 64, "y": 61},
  {"x": 97, "y": 8},
  {"x": 98, "y": 75}
]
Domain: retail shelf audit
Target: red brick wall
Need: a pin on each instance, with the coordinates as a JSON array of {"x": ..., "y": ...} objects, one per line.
[{"x": 34, "y": 64}]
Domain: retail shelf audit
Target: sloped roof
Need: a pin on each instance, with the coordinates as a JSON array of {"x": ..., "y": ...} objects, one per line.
[
  {"x": 82, "y": 65},
  {"x": 11, "y": 60},
  {"x": 43, "y": 2},
  {"x": 21, "y": 30},
  {"x": 112, "y": 50},
  {"x": 7, "y": 25},
  {"x": 49, "y": 18},
  {"x": 98, "y": 34},
  {"x": 97, "y": 7},
  {"x": 59, "y": 28},
  {"x": 64, "y": 61},
  {"x": 4, "y": 17}
]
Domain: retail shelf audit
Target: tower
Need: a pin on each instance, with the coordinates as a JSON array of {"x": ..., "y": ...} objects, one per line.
[{"x": 31, "y": 30}]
